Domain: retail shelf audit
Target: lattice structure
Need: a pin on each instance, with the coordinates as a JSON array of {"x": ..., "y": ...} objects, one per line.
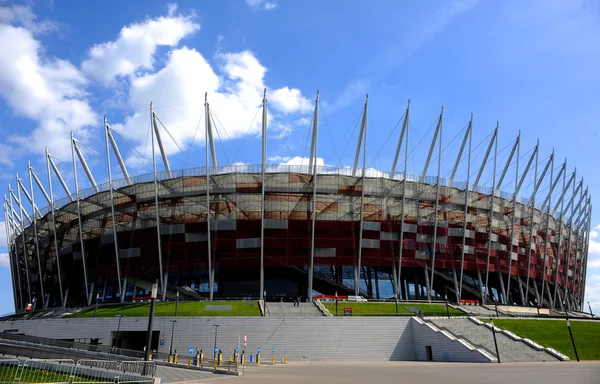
[{"x": 304, "y": 229}]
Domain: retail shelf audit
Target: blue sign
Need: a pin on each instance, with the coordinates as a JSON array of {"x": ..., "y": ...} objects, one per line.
[
  {"x": 258, "y": 350},
  {"x": 237, "y": 349},
  {"x": 191, "y": 350},
  {"x": 286, "y": 350},
  {"x": 162, "y": 340},
  {"x": 216, "y": 349},
  {"x": 273, "y": 350}
]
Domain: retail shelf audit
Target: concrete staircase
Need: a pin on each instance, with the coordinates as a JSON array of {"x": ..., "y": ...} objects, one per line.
[
  {"x": 477, "y": 310},
  {"x": 510, "y": 350},
  {"x": 288, "y": 310}
]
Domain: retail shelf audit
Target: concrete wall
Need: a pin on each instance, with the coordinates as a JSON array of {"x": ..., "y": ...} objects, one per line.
[
  {"x": 317, "y": 338},
  {"x": 444, "y": 346}
]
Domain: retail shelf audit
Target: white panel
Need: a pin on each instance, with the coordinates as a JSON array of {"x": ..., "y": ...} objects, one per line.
[
  {"x": 371, "y": 226},
  {"x": 370, "y": 243},
  {"x": 172, "y": 229},
  {"x": 129, "y": 253},
  {"x": 229, "y": 225},
  {"x": 191, "y": 237},
  {"x": 276, "y": 224},
  {"x": 389, "y": 235},
  {"x": 248, "y": 243},
  {"x": 325, "y": 252}
]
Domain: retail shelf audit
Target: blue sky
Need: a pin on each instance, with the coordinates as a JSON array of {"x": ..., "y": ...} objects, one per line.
[{"x": 533, "y": 66}]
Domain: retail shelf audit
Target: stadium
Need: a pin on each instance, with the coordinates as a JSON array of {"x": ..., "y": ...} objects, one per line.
[{"x": 281, "y": 232}]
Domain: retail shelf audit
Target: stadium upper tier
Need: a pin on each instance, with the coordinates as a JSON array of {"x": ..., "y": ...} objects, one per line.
[
  {"x": 283, "y": 231},
  {"x": 235, "y": 210}
]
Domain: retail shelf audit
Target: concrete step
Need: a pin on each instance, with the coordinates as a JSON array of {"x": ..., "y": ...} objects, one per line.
[{"x": 509, "y": 349}]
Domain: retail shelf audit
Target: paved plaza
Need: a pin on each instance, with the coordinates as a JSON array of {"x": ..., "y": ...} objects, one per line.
[{"x": 420, "y": 372}]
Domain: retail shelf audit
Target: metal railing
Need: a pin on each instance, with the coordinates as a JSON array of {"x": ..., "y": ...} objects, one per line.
[
  {"x": 71, "y": 345},
  {"x": 66, "y": 371}
]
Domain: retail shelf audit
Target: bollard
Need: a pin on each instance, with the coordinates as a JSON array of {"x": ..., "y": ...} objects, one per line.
[
  {"x": 150, "y": 357},
  {"x": 272, "y": 359},
  {"x": 258, "y": 359},
  {"x": 176, "y": 358},
  {"x": 242, "y": 358},
  {"x": 230, "y": 358},
  {"x": 189, "y": 362},
  {"x": 215, "y": 363},
  {"x": 170, "y": 359},
  {"x": 201, "y": 357},
  {"x": 220, "y": 358}
]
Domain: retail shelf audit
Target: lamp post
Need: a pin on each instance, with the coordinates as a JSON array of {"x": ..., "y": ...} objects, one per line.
[
  {"x": 591, "y": 313},
  {"x": 446, "y": 298},
  {"x": 216, "y": 331},
  {"x": 150, "y": 319},
  {"x": 336, "y": 303},
  {"x": 118, "y": 329},
  {"x": 172, "y": 333},
  {"x": 495, "y": 342},
  {"x": 176, "y": 303},
  {"x": 96, "y": 304},
  {"x": 571, "y": 332}
]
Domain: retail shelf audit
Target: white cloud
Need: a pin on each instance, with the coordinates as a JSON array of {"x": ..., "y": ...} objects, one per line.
[
  {"x": 181, "y": 86},
  {"x": 48, "y": 90},
  {"x": 261, "y": 4},
  {"x": 594, "y": 248},
  {"x": 3, "y": 242},
  {"x": 592, "y": 292},
  {"x": 136, "y": 45},
  {"x": 289, "y": 100},
  {"x": 4, "y": 262},
  {"x": 22, "y": 15}
]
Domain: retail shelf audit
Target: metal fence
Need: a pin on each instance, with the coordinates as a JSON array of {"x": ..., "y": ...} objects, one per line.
[
  {"x": 71, "y": 345},
  {"x": 65, "y": 371}
]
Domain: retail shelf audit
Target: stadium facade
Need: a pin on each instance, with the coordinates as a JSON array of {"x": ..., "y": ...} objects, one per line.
[{"x": 289, "y": 231}]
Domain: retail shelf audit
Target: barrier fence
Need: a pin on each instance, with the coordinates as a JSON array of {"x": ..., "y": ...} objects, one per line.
[{"x": 66, "y": 371}]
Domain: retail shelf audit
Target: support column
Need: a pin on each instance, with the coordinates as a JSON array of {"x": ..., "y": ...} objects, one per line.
[
  {"x": 262, "y": 200},
  {"x": 427, "y": 284},
  {"x": 124, "y": 289},
  {"x": 545, "y": 258},
  {"x": 481, "y": 289},
  {"x": 207, "y": 137},
  {"x": 156, "y": 203},
  {"x": 35, "y": 237},
  {"x": 81, "y": 239},
  {"x": 523, "y": 301},
  {"x": 56, "y": 249},
  {"x": 404, "y": 132},
  {"x": 437, "y": 202},
  {"x": 455, "y": 285},
  {"x": 491, "y": 214},
  {"x": 313, "y": 169},
  {"x": 464, "y": 237},
  {"x": 25, "y": 256},
  {"x": 513, "y": 222},
  {"x": 112, "y": 207},
  {"x": 504, "y": 296},
  {"x": 362, "y": 196}
]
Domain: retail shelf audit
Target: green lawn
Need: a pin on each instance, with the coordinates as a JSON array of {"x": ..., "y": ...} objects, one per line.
[
  {"x": 374, "y": 309},
  {"x": 28, "y": 375},
  {"x": 186, "y": 308},
  {"x": 555, "y": 334}
]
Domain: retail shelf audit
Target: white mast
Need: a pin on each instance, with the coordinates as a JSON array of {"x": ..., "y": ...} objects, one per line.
[
  {"x": 313, "y": 169},
  {"x": 81, "y": 239},
  {"x": 160, "y": 264}
]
